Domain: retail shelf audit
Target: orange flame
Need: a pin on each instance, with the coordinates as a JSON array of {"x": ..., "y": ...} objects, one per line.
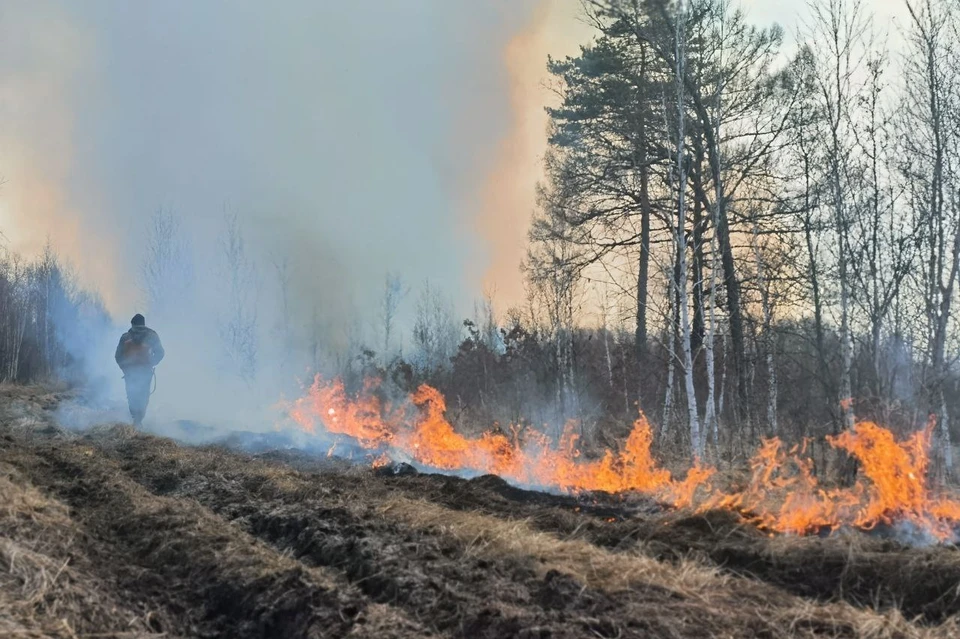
[
  {"x": 785, "y": 496},
  {"x": 782, "y": 495},
  {"x": 429, "y": 439}
]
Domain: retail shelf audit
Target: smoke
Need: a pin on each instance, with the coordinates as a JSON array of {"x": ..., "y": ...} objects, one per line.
[
  {"x": 507, "y": 195},
  {"x": 346, "y": 140}
]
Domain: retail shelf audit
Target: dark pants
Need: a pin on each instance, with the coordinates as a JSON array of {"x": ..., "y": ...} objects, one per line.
[{"x": 138, "y": 382}]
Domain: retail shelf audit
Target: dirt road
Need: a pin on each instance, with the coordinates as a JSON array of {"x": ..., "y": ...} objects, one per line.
[{"x": 112, "y": 533}]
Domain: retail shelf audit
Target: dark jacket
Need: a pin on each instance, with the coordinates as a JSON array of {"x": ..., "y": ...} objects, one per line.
[{"x": 139, "y": 348}]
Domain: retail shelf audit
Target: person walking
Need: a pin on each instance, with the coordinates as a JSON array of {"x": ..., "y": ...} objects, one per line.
[{"x": 138, "y": 354}]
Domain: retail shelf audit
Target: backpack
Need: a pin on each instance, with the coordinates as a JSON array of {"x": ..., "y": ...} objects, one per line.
[{"x": 135, "y": 352}]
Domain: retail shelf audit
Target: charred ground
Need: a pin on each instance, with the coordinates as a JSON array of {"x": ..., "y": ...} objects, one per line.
[{"x": 114, "y": 533}]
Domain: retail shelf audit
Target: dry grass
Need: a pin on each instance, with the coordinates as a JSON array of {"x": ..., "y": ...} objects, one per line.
[
  {"x": 786, "y": 615},
  {"x": 204, "y": 574},
  {"x": 43, "y": 592},
  {"x": 40, "y": 391},
  {"x": 594, "y": 567}
]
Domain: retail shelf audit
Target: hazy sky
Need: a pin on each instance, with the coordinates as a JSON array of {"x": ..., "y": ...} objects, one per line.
[
  {"x": 358, "y": 137},
  {"x": 786, "y": 12},
  {"x": 351, "y": 135}
]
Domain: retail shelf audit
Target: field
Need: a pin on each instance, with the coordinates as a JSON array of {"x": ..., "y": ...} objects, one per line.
[{"x": 115, "y": 533}]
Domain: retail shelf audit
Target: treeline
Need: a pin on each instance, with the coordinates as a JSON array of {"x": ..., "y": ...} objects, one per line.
[
  {"x": 47, "y": 322},
  {"x": 785, "y": 224},
  {"x": 509, "y": 371},
  {"x": 739, "y": 240}
]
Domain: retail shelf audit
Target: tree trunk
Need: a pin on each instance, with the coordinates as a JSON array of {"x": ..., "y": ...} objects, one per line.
[
  {"x": 813, "y": 274},
  {"x": 680, "y": 238},
  {"x": 710, "y": 412},
  {"x": 606, "y": 345},
  {"x": 643, "y": 267},
  {"x": 732, "y": 286},
  {"x": 846, "y": 343},
  {"x": 671, "y": 357},
  {"x": 768, "y": 339},
  {"x": 698, "y": 330}
]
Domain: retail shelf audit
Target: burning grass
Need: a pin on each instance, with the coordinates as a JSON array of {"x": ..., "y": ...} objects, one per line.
[
  {"x": 212, "y": 542},
  {"x": 783, "y": 494},
  {"x": 449, "y": 565}
]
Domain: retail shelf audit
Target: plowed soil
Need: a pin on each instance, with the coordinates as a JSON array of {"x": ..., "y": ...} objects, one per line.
[{"x": 115, "y": 533}]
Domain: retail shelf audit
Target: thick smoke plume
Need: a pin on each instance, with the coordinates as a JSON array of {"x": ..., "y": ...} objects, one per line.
[{"x": 246, "y": 173}]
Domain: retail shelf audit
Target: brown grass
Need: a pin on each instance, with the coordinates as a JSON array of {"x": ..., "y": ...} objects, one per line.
[
  {"x": 787, "y": 616},
  {"x": 45, "y": 588},
  {"x": 488, "y": 536}
]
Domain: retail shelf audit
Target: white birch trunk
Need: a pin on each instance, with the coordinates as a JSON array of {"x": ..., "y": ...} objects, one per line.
[
  {"x": 606, "y": 343},
  {"x": 710, "y": 419},
  {"x": 681, "y": 283},
  {"x": 671, "y": 361},
  {"x": 710, "y": 413}
]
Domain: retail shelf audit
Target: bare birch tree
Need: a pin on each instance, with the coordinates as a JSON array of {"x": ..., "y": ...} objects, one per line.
[
  {"x": 887, "y": 248},
  {"x": 166, "y": 272},
  {"x": 238, "y": 325},
  {"x": 931, "y": 133},
  {"x": 682, "y": 276},
  {"x": 393, "y": 294},
  {"x": 763, "y": 285},
  {"x": 838, "y": 29},
  {"x": 435, "y": 330}
]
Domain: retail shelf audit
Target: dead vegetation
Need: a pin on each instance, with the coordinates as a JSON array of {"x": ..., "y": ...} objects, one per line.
[
  {"x": 118, "y": 534},
  {"x": 47, "y": 587}
]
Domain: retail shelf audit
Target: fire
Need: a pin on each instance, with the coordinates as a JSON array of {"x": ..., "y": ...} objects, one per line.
[
  {"x": 782, "y": 495},
  {"x": 424, "y": 436}
]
